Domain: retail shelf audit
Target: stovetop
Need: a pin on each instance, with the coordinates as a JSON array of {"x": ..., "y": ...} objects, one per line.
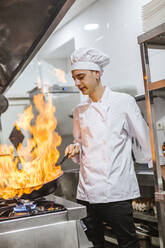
[{"x": 18, "y": 208}]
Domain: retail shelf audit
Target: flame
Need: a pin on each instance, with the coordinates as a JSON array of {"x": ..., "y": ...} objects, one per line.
[
  {"x": 60, "y": 74},
  {"x": 38, "y": 157}
]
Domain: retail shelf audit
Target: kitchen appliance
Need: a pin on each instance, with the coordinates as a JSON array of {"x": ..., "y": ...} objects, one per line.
[
  {"x": 47, "y": 188},
  {"x": 24, "y": 27},
  {"x": 45, "y": 222}
]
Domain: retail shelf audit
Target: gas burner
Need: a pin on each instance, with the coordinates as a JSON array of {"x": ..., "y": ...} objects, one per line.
[
  {"x": 27, "y": 206},
  {"x": 17, "y": 208},
  {"x": 44, "y": 206}
]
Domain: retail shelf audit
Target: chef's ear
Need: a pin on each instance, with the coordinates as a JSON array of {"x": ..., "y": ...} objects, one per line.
[{"x": 98, "y": 74}]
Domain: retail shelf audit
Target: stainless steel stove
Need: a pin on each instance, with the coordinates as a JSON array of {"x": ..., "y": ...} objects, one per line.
[
  {"x": 45, "y": 223},
  {"x": 19, "y": 208}
]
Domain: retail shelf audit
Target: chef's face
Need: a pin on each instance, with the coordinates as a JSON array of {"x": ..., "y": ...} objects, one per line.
[{"x": 86, "y": 80}]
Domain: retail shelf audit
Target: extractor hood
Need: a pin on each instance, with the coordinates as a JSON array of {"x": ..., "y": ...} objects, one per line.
[{"x": 24, "y": 26}]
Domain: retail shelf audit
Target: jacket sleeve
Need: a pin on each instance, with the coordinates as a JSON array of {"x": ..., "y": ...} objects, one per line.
[
  {"x": 138, "y": 128},
  {"x": 76, "y": 134}
]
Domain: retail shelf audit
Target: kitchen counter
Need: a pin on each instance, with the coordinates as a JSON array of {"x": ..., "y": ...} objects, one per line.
[{"x": 50, "y": 230}]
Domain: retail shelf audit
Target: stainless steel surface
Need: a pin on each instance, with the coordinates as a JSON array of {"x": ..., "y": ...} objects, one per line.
[
  {"x": 83, "y": 242},
  {"x": 155, "y": 39},
  {"x": 24, "y": 27},
  {"x": 60, "y": 229},
  {"x": 68, "y": 184},
  {"x": 61, "y": 235},
  {"x": 75, "y": 210}
]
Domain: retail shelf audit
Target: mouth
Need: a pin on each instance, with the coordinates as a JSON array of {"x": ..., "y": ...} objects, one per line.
[{"x": 82, "y": 88}]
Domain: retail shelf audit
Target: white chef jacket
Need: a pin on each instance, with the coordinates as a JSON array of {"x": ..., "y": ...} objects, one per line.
[{"x": 104, "y": 131}]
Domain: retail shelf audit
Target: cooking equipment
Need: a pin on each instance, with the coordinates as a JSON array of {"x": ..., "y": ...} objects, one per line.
[
  {"x": 54, "y": 222},
  {"x": 17, "y": 208},
  {"x": 24, "y": 27},
  {"x": 47, "y": 188},
  {"x": 63, "y": 160}
]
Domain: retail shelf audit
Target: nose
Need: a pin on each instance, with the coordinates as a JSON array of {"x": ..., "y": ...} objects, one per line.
[{"x": 77, "y": 82}]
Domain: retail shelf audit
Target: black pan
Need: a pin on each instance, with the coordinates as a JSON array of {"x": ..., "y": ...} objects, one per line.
[{"x": 47, "y": 188}]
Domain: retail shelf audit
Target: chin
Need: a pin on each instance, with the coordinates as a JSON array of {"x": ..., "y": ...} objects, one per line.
[{"x": 84, "y": 93}]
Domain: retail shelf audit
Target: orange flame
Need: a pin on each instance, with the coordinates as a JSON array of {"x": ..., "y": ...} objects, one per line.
[
  {"x": 38, "y": 157},
  {"x": 60, "y": 74}
]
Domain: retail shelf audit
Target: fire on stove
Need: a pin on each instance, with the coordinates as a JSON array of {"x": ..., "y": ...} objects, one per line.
[
  {"x": 10, "y": 209},
  {"x": 38, "y": 156}
]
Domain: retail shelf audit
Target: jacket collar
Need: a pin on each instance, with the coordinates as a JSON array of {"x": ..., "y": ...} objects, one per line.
[
  {"x": 105, "y": 97},
  {"x": 104, "y": 103}
]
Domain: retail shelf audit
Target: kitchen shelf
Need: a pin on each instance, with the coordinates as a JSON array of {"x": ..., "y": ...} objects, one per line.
[
  {"x": 155, "y": 93},
  {"x": 144, "y": 216},
  {"x": 156, "y": 85},
  {"x": 154, "y": 39}
]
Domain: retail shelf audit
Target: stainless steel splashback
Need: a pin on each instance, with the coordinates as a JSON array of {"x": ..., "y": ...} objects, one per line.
[{"x": 24, "y": 26}]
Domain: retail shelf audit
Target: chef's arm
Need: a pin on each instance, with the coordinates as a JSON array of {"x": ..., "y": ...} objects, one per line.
[
  {"x": 137, "y": 128},
  {"x": 74, "y": 150}
]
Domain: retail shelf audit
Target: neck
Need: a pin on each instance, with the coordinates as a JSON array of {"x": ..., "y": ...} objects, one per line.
[{"x": 98, "y": 93}]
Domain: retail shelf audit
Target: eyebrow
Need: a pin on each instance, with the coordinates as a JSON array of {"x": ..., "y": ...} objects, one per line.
[{"x": 79, "y": 74}]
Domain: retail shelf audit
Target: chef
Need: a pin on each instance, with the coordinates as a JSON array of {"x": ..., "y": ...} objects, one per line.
[{"x": 103, "y": 129}]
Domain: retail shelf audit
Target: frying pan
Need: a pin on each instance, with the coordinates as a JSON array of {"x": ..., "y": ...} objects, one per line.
[{"x": 46, "y": 189}]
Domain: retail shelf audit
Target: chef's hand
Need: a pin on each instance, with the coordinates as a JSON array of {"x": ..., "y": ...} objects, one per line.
[{"x": 72, "y": 150}]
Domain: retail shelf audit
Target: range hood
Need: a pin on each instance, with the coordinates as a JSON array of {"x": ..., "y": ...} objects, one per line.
[{"x": 24, "y": 27}]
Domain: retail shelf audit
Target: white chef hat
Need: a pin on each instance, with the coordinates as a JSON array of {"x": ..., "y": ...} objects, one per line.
[{"x": 88, "y": 59}]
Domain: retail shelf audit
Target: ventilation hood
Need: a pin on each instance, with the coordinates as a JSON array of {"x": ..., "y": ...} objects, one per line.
[{"x": 24, "y": 27}]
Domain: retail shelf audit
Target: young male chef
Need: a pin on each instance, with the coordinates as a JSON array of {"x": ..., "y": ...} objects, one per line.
[{"x": 103, "y": 129}]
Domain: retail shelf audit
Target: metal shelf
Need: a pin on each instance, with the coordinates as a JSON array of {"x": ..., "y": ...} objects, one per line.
[
  {"x": 156, "y": 85},
  {"x": 145, "y": 216},
  {"x": 156, "y": 91},
  {"x": 154, "y": 39}
]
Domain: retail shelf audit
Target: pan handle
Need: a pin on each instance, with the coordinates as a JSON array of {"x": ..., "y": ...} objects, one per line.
[{"x": 63, "y": 160}]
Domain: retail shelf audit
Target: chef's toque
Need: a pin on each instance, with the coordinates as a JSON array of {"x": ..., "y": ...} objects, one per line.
[{"x": 88, "y": 59}]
